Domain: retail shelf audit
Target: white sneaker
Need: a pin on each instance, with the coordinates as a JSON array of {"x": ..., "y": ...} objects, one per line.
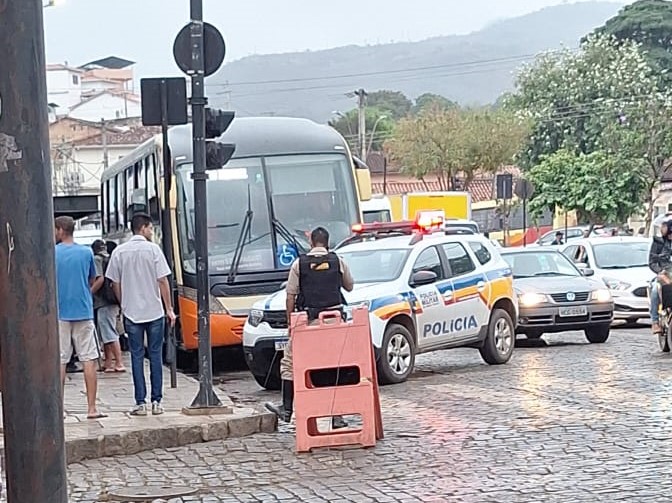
[
  {"x": 139, "y": 410},
  {"x": 157, "y": 408}
]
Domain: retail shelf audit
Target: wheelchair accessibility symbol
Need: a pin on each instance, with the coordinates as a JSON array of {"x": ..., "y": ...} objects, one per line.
[{"x": 287, "y": 254}]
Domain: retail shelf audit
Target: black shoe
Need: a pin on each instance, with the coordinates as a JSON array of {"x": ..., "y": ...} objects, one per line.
[
  {"x": 337, "y": 422},
  {"x": 284, "y": 410},
  {"x": 71, "y": 368},
  {"x": 279, "y": 410}
]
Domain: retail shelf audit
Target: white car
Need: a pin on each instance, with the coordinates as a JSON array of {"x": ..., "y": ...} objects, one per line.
[
  {"x": 622, "y": 263},
  {"x": 424, "y": 291}
]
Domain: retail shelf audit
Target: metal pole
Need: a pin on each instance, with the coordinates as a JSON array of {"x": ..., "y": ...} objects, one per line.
[
  {"x": 524, "y": 221},
  {"x": 106, "y": 157},
  {"x": 362, "y": 123},
  {"x": 384, "y": 175},
  {"x": 32, "y": 395},
  {"x": 166, "y": 229},
  {"x": 206, "y": 395}
]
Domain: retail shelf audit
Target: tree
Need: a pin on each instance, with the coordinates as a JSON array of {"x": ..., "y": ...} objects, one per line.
[
  {"x": 648, "y": 22},
  {"x": 394, "y": 104},
  {"x": 445, "y": 143},
  {"x": 429, "y": 100},
  {"x": 601, "y": 187},
  {"x": 644, "y": 135},
  {"x": 573, "y": 97}
]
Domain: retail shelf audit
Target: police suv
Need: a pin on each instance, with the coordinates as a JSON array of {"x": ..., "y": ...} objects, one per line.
[{"x": 427, "y": 288}]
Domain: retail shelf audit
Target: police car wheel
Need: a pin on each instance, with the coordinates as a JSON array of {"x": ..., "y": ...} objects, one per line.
[
  {"x": 270, "y": 382},
  {"x": 500, "y": 341},
  {"x": 397, "y": 355}
]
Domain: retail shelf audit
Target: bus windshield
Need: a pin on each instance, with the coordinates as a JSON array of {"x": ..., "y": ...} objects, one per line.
[{"x": 288, "y": 196}]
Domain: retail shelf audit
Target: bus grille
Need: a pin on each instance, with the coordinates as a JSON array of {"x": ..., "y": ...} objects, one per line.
[{"x": 224, "y": 290}]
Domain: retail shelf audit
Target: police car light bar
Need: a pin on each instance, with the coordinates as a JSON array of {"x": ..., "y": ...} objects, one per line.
[
  {"x": 383, "y": 227},
  {"x": 425, "y": 221}
]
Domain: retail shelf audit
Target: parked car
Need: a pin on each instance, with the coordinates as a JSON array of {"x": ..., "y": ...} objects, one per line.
[
  {"x": 555, "y": 296},
  {"x": 573, "y": 233},
  {"x": 622, "y": 264}
]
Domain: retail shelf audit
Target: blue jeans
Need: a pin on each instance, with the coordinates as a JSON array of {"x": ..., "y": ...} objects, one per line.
[
  {"x": 654, "y": 298},
  {"x": 136, "y": 339}
]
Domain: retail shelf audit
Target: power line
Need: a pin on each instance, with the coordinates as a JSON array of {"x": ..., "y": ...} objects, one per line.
[
  {"x": 340, "y": 86},
  {"x": 520, "y": 57}
]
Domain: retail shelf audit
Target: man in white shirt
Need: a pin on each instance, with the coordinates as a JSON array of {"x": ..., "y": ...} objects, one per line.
[{"x": 139, "y": 274}]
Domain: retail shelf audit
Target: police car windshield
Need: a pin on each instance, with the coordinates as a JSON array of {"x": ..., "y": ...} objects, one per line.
[
  {"x": 289, "y": 196},
  {"x": 375, "y": 266}
]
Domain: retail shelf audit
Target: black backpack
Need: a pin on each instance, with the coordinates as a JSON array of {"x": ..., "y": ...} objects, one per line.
[{"x": 106, "y": 292}]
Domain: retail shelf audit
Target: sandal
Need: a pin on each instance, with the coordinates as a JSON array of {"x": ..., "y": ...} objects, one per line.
[{"x": 99, "y": 415}]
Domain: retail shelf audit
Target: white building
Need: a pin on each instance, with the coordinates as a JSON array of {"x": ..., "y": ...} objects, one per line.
[
  {"x": 99, "y": 90},
  {"x": 64, "y": 88}
]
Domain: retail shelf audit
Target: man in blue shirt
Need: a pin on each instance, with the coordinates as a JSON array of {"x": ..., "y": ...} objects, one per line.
[{"x": 75, "y": 276}]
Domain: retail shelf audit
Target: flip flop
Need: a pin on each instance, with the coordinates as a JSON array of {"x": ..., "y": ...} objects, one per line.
[
  {"x": 120, "y": 370},
  {"x": 109, "y": 371},
  {"x": 100, "y": 415}
]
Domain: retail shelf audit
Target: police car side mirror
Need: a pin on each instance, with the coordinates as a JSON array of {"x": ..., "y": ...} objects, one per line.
[
  {"x": 423, "y": 278},
  {"x": 587, "y": 271}
]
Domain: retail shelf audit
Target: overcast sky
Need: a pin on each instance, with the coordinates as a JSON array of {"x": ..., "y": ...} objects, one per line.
[{"x": 79, "y": 31}]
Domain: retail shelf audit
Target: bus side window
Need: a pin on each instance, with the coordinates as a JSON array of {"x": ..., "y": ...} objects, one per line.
[
  {"x": 105, "y": 205},
  {"x": 152, "y": 188},
  {"x": 121, "y": 200},
  {"x": 130, "y": 187}
]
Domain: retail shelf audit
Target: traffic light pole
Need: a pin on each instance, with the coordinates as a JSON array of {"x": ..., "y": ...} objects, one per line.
[
  {"x": 32, "y": 396},
  {"x": 206, "y": 395}
]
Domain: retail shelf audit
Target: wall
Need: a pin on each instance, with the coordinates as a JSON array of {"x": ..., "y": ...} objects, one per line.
[{"x": 108, "y": 107}]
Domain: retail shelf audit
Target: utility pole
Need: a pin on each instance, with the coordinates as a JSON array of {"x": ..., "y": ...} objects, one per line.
[
  {"x": 361, "y": 107},
  {"x": 32, "y": 396},
  {"x": 206, "y": 395},
  {"x": 106, "y": 159}
]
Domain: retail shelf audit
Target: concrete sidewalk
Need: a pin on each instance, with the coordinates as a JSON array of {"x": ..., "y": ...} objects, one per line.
[{"x": 122, "y": 434}]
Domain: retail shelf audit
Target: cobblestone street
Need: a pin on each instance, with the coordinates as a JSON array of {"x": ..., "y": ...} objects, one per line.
[{"x": 565, "y": 422}]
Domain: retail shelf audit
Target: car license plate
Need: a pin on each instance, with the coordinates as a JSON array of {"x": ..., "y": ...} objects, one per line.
[
  {"x": 568, "y": 312},
  {"x": 281, "y": 345}
]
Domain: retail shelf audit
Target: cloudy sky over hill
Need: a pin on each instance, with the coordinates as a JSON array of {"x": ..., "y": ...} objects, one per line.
[{"x": 143, "y": 31}]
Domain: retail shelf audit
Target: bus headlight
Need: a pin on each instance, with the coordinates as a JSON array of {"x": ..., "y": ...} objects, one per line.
[{"x": 255, "y": 317}]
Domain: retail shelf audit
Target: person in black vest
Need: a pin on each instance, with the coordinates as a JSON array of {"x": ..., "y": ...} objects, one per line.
[{"x": 314, "y": 286}]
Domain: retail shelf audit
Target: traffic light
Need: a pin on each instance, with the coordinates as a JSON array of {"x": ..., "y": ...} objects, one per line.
[{"x": 217, "y": 154}]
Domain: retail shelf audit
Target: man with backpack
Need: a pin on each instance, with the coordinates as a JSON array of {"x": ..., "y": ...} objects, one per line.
[{"x": 106, "y": 310}]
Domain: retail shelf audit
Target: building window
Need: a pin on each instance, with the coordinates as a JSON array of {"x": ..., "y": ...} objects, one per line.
[{"x": 75, "y": 80}]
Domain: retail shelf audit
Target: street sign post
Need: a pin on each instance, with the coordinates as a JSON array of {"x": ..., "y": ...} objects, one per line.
[
  {"x": 524, "y": 190},
  {"x": 199, "y": 51},
  {"x": 164, "y": 103}
]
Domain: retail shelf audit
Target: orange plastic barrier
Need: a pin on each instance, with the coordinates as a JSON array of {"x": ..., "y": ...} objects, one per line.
[{"x": 330, "y": 343}]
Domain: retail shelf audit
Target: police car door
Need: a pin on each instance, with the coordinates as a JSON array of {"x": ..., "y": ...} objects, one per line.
[
  {"x": 470, "y": 309},
  {"x": 429, "y": 312}
]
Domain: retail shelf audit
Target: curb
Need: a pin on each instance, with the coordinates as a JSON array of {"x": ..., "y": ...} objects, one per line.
[{"x": 81, "y": 445}]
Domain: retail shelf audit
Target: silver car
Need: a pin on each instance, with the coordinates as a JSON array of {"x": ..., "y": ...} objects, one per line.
[{"x": 554, "y": 295}]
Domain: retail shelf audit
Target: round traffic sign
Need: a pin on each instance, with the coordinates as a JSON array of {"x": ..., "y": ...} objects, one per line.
[{"x": 214, "y": 49}]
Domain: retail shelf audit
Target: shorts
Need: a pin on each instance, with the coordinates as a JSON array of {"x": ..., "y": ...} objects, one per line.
[
  {"x": 81, "y": 335},
  {"x": 106, "y": 318}
]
